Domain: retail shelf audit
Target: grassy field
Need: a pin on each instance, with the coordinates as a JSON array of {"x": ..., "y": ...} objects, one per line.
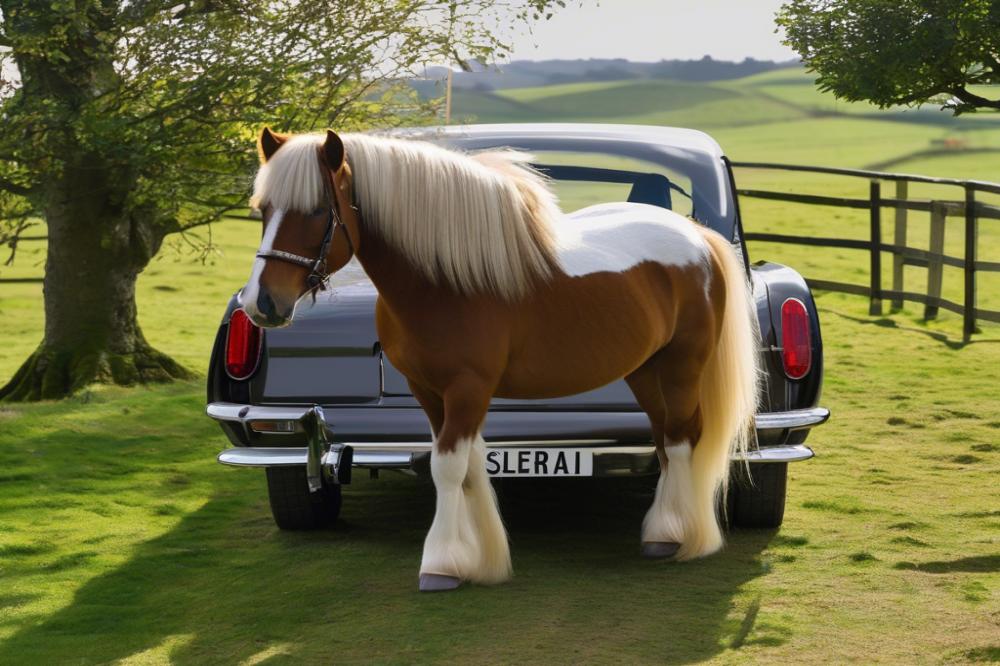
[{"x": 122, "y": 541}]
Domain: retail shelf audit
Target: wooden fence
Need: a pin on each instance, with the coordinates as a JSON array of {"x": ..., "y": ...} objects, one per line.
[
  {"x": 967, "y": 207},
  {"x": 933, "y": 259}
]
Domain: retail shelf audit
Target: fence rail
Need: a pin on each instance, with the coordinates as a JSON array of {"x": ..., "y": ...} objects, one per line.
[{"x": 933, "y": 259}]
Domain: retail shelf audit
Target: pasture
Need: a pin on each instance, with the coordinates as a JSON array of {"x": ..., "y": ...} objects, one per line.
[{"x": 121, "y": 539}]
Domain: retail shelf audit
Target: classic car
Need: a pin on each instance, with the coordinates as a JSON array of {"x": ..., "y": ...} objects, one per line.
[{"x": 312, "y": 401}]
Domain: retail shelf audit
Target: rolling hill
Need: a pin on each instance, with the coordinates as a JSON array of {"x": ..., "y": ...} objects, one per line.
[{"x": 776, "y": 116}]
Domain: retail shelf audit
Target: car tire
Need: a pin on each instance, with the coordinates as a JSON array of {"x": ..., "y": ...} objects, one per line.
[
  {"x": 757, "y": 500},
  {"x": 293, "y": 506}
]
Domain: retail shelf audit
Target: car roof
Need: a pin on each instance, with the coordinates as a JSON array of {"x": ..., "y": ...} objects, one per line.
[
  {"x": 569, "y": 133},
  {"x": 688, "y": 151}
]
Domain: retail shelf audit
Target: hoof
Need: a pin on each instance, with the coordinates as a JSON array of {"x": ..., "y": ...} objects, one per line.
[
  {"x": 438, "y": 583},
  {"x": 658, "y": 550}
]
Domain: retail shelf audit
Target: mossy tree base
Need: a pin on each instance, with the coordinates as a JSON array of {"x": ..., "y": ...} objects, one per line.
[
  {"x": 96, "y": 251},
  {"x": 49, "y": 374}
]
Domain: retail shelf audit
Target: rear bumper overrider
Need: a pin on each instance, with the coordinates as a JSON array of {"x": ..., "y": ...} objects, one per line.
[{"x": 322, "y": 439}]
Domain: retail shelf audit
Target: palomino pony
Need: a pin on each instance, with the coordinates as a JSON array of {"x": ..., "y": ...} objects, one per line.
[{"x": 487, "y": 289}]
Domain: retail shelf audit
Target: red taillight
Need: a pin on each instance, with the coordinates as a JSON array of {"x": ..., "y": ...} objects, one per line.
[
  {"x": 796, "y": 348},
  {"x": 242, "y": 346}
]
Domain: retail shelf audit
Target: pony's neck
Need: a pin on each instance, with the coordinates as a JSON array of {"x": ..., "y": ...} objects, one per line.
[
  {"x": 479, "y": 224},
  {"x": 398, "y": 282}
]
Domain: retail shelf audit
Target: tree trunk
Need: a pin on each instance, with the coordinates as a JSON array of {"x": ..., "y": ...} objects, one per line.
[{"x": 95, "y": 253}]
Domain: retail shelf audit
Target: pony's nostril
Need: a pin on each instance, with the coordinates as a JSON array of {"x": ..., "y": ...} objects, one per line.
[
  {"x": 265, "y": 304},
  {"x": 267, "y": 312}
]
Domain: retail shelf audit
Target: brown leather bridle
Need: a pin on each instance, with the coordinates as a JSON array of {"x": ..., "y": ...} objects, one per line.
[{"x": 318, "y": 277}]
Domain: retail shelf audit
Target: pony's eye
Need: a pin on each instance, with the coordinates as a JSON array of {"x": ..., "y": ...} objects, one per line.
[{"x": 317, "y": 212}]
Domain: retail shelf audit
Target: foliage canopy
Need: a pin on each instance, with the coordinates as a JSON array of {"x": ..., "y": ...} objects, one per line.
[
  {"x": 893, "y": 52},
  {"x": 167, "y": 97},
  {"x": 127, "y": 120}
]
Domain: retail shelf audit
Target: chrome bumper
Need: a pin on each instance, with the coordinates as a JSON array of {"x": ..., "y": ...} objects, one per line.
[
  {"x": 608, "y": 460},
  {"x": 322, "y": 457}
]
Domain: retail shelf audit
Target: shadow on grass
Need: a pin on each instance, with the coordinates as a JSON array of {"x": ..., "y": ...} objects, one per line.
[
  {"x": 979, "y": 564},
  {"x": 225, "y": 585},
  {"x": 937, "y": 336}
]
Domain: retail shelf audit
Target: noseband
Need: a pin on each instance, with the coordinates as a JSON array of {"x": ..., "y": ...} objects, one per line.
[{"x": 318, "y": 275}]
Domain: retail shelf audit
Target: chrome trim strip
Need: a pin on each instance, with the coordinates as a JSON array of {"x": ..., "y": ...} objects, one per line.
[
  {"x": 231, "y": 411},
  {"x": 281, "y": 457},
  {"x": 795, "y": 419},
  {"x": 778, "y": 454}
]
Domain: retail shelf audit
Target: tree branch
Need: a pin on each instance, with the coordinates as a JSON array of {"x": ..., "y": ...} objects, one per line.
[
  {"x": 14, "y": 237},
  {"x": 975, "y": 100},
  {"x": 14, "y": 188}
]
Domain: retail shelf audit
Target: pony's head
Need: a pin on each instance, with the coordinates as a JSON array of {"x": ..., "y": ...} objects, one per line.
[{"x": 304, "y": 192}]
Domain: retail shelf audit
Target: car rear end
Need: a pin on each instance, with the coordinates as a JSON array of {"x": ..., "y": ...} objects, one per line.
[{"x": 263, "y": 386}]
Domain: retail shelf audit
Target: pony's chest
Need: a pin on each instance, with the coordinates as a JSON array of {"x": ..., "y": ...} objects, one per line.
[{"x": 619, "y": 236}]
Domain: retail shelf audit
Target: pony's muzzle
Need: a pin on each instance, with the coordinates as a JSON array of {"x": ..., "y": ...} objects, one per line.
[{"x": 264, "y": 312}]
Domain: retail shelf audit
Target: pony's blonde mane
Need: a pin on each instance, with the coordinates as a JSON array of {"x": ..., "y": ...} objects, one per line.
[{"x": 481, "y": 223}]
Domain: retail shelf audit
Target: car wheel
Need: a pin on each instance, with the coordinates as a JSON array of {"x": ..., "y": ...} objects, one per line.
[
  {"x": 293, "y": 506},
  {"x": 758, "y": 499}
]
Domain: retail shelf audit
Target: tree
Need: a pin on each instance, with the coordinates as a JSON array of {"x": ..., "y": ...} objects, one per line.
[
  {"x": 128, "y": 120},
  {"x": 892, "y": 52}
]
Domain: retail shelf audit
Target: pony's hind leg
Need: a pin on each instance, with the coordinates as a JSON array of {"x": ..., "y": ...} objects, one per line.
[
  {"x": 687, "y": 506},
  {"x": 658, "y": 541},
  {"x": 675, "y": 520},
  {"x": 467, "y": 540}
]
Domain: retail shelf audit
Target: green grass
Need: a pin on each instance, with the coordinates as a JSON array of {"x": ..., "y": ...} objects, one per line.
[
  {"x": 795, "y": 87},
  {"x": 121, "y": 540}
]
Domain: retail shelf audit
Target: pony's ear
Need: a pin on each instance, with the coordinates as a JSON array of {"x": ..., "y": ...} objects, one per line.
[
  {"x": 333, "y": 151},
  {"x": 269, "y": 143}
]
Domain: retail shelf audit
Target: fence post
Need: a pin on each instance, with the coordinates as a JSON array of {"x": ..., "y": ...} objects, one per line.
[
  {"x": 969, "y": 314},
  {"x": 935, "y": 267},
  {"x": 899, "y": 240},
  {"x": 875, "y": 207}
]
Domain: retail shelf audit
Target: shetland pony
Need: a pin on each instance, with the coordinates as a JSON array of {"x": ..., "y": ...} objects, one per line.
[{"x": 486, "y": 289}]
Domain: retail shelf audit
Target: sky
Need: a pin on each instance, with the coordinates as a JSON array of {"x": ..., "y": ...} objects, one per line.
[{"x": 651, "y": 30}]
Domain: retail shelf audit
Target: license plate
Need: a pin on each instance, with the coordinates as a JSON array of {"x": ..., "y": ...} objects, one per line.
[{"x": 539, "y": 462}]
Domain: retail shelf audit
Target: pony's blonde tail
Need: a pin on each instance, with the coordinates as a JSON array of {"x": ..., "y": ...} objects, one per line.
[{"x": 729, "y": 388}]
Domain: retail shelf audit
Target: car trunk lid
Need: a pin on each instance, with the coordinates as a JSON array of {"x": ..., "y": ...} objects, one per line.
[{"x": 329, "y": 354}]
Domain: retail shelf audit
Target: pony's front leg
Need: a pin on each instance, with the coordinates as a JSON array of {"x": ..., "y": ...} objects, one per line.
[{"x": 467, "y": 540}]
